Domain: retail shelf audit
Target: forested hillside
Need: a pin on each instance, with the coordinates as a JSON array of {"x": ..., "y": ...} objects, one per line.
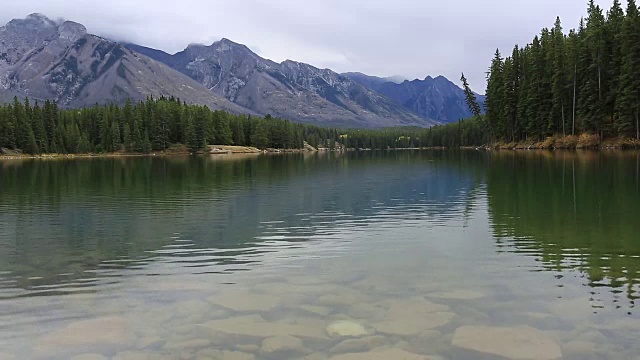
[{"x": 583, "y": 81}]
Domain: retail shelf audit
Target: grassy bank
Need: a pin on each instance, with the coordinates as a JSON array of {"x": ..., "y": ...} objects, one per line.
[{"x": 583, "y": 141}]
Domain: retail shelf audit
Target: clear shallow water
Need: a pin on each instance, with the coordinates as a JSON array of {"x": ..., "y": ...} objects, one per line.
[{"x": 420, "y": 253}]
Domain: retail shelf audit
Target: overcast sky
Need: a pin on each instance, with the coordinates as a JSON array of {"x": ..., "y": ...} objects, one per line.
[{"x": 412, "y": 38}]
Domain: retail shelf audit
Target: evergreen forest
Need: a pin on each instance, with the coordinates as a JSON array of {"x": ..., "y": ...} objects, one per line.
[{"x": 583, "y": 81}]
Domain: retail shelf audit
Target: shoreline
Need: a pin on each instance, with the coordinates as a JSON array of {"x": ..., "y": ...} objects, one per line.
[
  {"x": 250, "y": 151},
  {"x": 570, "y": 142},
  {"x": 212, "y": 150}
]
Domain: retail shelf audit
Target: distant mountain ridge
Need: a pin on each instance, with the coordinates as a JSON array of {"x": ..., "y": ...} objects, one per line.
[
  {"x": 44, "y": 59},
  {"x": 61, "y": 61},
  {"x": 436, "y": 98},
  {"x": 373, "y": 82},
  {"x": 290, "y": 89}
]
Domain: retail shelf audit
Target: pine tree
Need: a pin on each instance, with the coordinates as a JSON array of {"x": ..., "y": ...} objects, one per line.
[
  {"x": 195, "y": 143},
  {"x": 106, "y": 143},
  {"x": 39, "y": 131},
  {"x": 127, "y": 138},
  {"x": 23, "y": 132},
  {"x": 72, "y": 138},
  {"x": 50, "y": 119},
  {"x": 545, "y": 90},
  {"x": 520, "y": 128},
  {"x": 615, "y": 21},
  {"x": 59, "y": 135},
  {"x": 84, "y": 147},
  {"x": 223, "y": 135},
  {"x": 146, "y": 143},
  {"x": 260, "y": 138},
  {"x": 128, "y": 113},
  {"x": 573, "y": 48},
  {"x": 534, "y": 113},
  {"x": 493, "y": 104},
  {"x": 510, "y": 98},
  {"x": 557, "y": 117},
  {"x": 31, "y": 147},
  {"x": 470, "y": 97},
  {"x": 200, "y": 121},
  {"x": 237, "y": 130},
  {"x": 136, "y": 139},
  {"x": 116, "y": 142},
  {"x": 7, "y": 128},
  {"x": 591, "y": 91},
  {"x": 628, "y": 101}
]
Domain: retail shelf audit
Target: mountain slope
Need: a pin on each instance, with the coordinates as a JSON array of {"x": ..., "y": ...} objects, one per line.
[
  {"x": 44, "y": 59},
  {"x": 372, "y": 82},
  {"x": 291, "y": 90},
  {"x": 436, "y": 98}
]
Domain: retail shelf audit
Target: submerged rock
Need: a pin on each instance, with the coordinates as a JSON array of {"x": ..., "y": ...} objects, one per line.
[
  {"x": 359, "y": 345},
  {"x": 140, "y": 355},
  {"x": 412, "y": 326},
  {"x": 458, "y": 295},
  {"x": 413, "y": 316},
  {"x": 100, "y": 332},
  {"x": 89, "y": 357},
  {"x": 516, "y": 343},
  {"x": 282, "y": 344},
  {"x": 343, "y": 299},
  {"x": 236, "y": 355},
  {"x": 256, "y": 326},
  {"x": 317, "y": 310},
  {"x": 381, "y": 354},
  {"x": 187, "y": 344},
  {"x": 345, "y": 328},
  {"x": 245, "y": 301}
]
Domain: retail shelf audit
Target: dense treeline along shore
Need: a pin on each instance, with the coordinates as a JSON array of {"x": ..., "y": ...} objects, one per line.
[
  {"x": 156, "y": 125},
  {"x": 563, "y": 85},
  {"x": 170, "y": 126}
]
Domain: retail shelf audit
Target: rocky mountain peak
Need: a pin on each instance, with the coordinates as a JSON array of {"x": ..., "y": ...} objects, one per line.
[
  {"x": 72, "y": 31},
  {"x": 21, "y": 35},
  {"x": 60, "y": 61},
  {"x": 38, "y": 20},
  {"x": 225, "y": 44}
]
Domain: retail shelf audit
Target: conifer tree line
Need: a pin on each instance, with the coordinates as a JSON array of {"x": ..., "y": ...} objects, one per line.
[
  {"x": 157, "y": 124},
  {"x": 152, "y": 125},
  {"x": 583, "y": 81}
]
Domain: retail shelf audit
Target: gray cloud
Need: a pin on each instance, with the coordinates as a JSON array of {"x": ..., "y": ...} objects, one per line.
[{"x": 412, "y": 38}]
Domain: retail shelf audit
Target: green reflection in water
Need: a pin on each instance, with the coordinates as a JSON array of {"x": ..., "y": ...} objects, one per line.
[{"x": 572, "y": 211}]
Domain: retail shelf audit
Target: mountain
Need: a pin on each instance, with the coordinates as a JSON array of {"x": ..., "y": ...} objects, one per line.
[
  {"x": 435, "y": 98},
  {"x": 290, "y": 89},
  {"x": 60, "y": 61},
  {"x": 373, "y": 82}
]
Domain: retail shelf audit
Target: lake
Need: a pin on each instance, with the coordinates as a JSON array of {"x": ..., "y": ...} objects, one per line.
[{"x": 372, "y": 255}]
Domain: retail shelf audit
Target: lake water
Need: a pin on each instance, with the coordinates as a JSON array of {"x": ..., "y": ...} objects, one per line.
[{"x": 376, "y": 255}]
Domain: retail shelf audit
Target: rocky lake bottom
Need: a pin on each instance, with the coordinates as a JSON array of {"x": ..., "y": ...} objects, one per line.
[{"x": 410, "y": 261}]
